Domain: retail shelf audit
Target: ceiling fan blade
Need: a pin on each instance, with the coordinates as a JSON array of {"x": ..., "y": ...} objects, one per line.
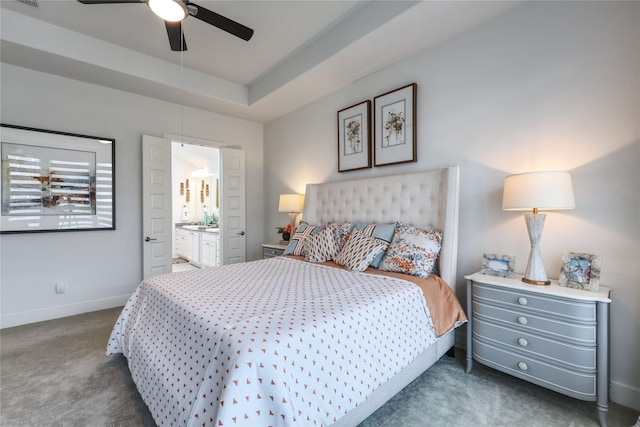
[
  {"x": 224, "y": 23},
  {"x": 176, "y": 37},
  {"x": 109, "y": 1}
]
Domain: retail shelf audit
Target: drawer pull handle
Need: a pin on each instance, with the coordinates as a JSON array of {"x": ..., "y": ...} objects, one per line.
[
  {"x": 522, "y": 320},
  {"x": 523, "y": 342},
  {"x": 522, "y": 301},
  {"x": 523, "y": 366}
]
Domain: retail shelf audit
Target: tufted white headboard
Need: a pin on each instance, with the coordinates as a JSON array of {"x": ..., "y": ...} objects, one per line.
[{"x": 427, "y": 199}]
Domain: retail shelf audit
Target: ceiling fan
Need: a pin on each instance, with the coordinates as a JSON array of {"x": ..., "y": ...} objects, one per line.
[{"x": 173, "y": 12}]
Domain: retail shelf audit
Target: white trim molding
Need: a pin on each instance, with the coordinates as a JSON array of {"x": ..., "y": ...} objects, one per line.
[
  {"x": 625, "y": 395},
  {"x": 26, "y": 317}
]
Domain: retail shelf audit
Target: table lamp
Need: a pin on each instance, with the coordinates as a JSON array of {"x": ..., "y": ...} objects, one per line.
[
  {"x": 293, "y": 204},
  {"x": 544, "y": 190}
]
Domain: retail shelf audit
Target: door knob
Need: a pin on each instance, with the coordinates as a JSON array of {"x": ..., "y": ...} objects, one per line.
[
  {"x": 241, "y": 233},
  {"x": 148, "y": 239}
]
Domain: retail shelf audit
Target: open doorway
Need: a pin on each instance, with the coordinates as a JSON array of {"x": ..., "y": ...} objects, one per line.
[
  {"x": 195, "y": 171},
  {"x": 158, "y": 194}
]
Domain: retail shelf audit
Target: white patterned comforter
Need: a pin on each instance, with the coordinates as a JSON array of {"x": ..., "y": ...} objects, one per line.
[{"x": 267, "y": 343}]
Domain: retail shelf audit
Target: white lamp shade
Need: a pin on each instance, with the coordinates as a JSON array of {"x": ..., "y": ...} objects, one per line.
[
  {"x": 291, "y": 203},
  {"x": 545, "y": 190},
  {"x": 169, "y": 10}
]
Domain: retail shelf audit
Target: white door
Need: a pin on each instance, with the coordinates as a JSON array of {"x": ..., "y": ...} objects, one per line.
[
  {"x": 156, "y": 205},
  {"x": 232, "y": 206}
]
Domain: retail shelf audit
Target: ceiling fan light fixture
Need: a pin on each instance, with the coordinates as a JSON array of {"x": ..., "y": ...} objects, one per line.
[{"x": 169, "y": 10}]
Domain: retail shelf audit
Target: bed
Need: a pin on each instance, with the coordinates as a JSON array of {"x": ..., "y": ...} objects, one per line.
[{"x": 284, "y": 341}]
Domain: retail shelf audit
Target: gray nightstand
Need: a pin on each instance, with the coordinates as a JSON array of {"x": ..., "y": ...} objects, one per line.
[
  {"x": 270, "y": 250},
  {"x": 553, "y": 336}
]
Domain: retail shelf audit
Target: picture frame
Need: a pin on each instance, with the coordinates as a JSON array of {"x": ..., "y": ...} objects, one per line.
[
  {"x": 499, "y": 265},
  {"x": 354, "y": 137},
  {"x": 580, "y": 271},
  {"x": 395, "y": 127},
  {"x": 55, "y": 181}
]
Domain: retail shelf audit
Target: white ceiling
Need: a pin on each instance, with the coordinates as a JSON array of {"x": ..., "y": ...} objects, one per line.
[{"x": 300, "y": 51}]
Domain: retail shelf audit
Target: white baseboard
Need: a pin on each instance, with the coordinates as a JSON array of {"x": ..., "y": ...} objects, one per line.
[
  {"x": 625, "y": 395},
  {"x": 17, "y": 319}
]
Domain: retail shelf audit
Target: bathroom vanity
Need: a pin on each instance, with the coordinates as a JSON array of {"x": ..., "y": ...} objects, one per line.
[{"x": 198, "y": 244}]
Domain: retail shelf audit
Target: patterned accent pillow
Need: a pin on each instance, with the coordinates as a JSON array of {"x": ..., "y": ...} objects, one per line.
[
  {"x": 413, "y": 251},
  {"x": 359, "y": 251},
  {"x": 341, "y": 232},
  {"x": 296, "y": 244},
  {"x": 382, "y": 232},
  {"x": 320, "y": 247}
]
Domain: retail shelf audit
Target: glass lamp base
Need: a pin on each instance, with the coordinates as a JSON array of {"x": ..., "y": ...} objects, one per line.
[{"x": 535, "y": 273}]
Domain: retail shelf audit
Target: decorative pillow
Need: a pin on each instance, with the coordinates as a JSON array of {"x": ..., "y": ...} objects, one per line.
[
  {"x": 296, "y": 244},
  {"x": 413, "y": 251},
  {"x": 341, "y": 232},
  {"x": 382, "y": 232},
  {"x": 320, "y": 247},
  {"x": 359, "y": 251}
]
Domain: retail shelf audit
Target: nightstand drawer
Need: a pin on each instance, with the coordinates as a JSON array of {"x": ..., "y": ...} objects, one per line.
[
  {"x": 271, "y": 252},
  {"x": 521, "y": 300},
  {"x": 571, "y": 356},
  {"x": 579, "y": 385},
  {"x": 552, "y": 335},
  {"x": 524, "y": 321}
]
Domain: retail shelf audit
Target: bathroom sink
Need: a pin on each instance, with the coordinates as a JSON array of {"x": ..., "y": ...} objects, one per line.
[
  {"x": 201, "y": 228},
  {"x": 192, "y": 227}
]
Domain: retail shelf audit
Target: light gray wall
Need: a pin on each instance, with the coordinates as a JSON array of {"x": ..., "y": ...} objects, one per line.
[
  {"x": 553, "y": 85},
  {"x": 102, "y": 268}
]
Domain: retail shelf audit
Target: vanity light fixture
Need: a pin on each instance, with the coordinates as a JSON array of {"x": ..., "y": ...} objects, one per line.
[{"x": 200, "y": 173}]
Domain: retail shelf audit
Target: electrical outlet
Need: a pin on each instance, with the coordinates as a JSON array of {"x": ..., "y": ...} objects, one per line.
[{"x": 60, "y": 288}]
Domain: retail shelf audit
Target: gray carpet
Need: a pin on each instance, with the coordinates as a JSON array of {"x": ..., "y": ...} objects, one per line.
[{"x": 56, "y": 374}]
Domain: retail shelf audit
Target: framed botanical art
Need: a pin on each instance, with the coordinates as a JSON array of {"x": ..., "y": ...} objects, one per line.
[
  {"x": 354, "y": 137},
  {"x": 580, "y": 271},
  {"x": 395, "y": 126},
  {"x": 56, "y": 181},
  {"x": 499, "y": 265}
]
